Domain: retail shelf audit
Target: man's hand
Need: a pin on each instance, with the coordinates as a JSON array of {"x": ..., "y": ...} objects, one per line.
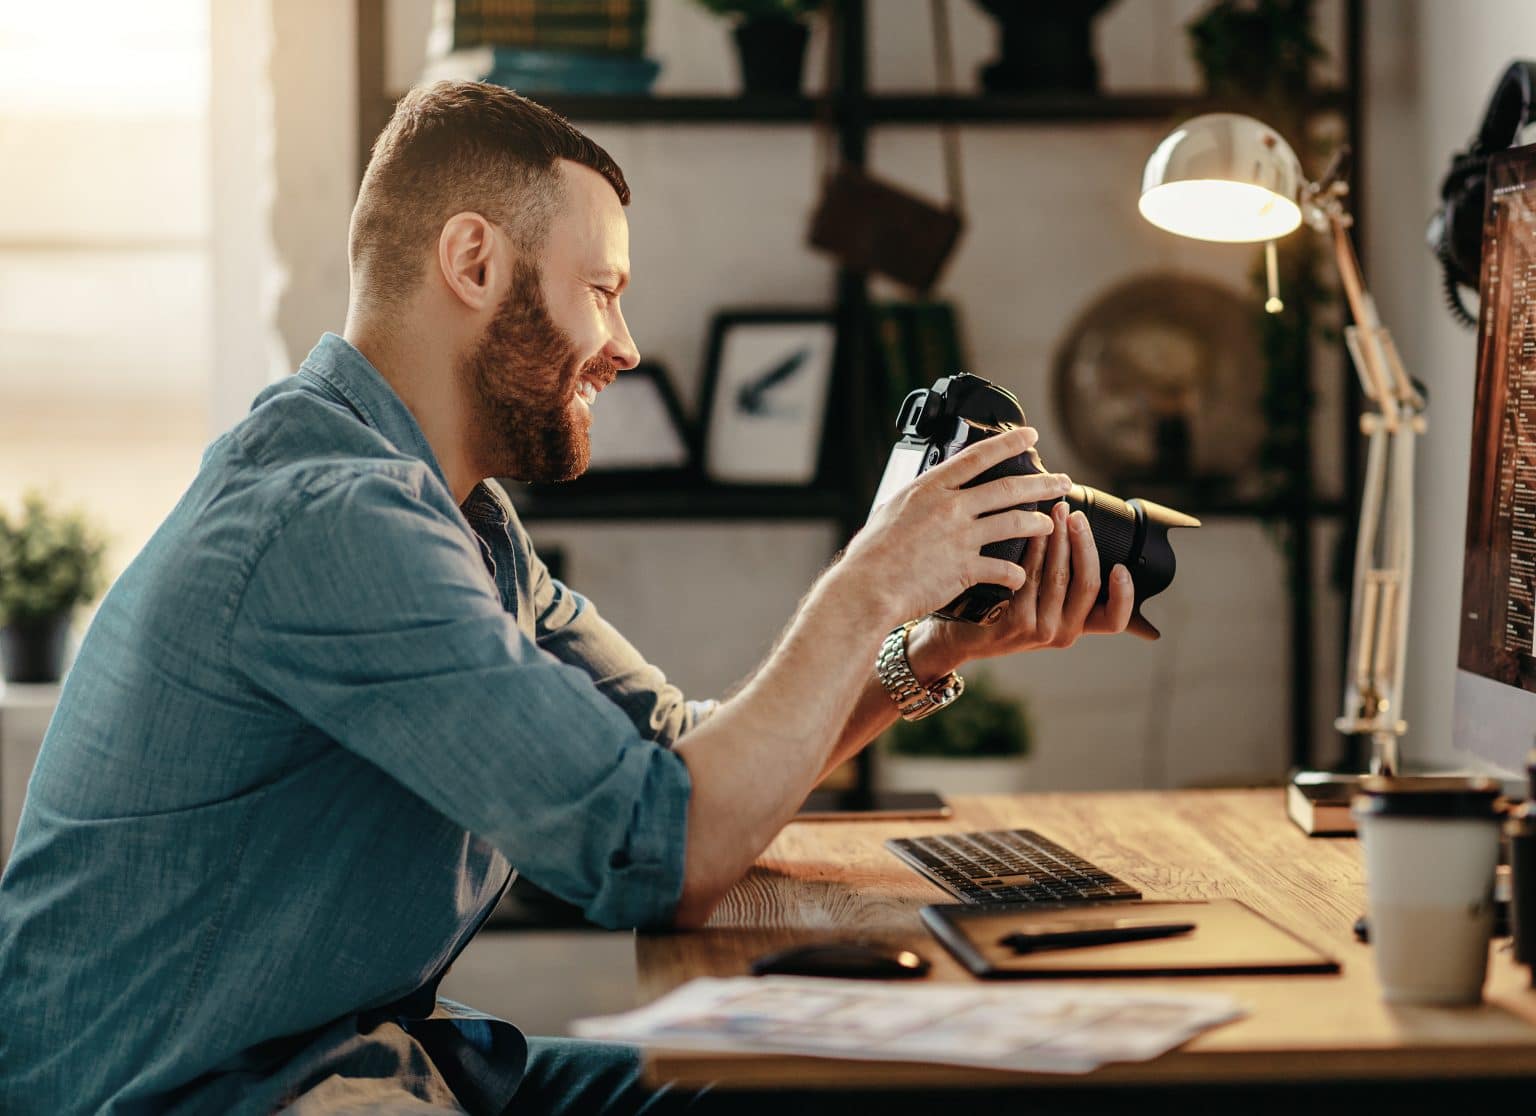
[
  {"x": 922, "y": 548},
  {"x": 1057, "y": 604}
]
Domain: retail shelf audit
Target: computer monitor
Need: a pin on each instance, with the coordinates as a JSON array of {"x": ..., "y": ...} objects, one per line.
[{"x": 1495, "y": 717}]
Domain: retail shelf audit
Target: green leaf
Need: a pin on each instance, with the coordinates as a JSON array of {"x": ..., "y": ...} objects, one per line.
[{"x": 50, "y": 561}]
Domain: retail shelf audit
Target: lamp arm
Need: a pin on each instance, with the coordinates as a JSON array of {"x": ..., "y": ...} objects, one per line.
[
  {"x": 1379, "y": 608},
  {"x": 1374, "y": 377},
  {"x": 1383, "y": 377}
]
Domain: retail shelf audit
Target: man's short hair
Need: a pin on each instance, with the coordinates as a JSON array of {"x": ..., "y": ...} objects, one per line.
[{"x": 453, "y": 147}]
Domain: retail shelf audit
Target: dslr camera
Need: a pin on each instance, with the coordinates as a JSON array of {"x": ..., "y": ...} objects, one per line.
[{"x": 938, "y": 422}]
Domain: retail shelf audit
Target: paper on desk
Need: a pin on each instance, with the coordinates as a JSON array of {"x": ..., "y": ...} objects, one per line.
[{"x": 1044, "y": 1030}]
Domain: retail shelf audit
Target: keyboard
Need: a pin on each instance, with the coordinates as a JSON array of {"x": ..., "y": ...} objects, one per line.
[{"x": 1008, "y": 866}]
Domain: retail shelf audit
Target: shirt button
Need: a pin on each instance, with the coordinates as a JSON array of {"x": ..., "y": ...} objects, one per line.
[{"x": 619, "y": 859}]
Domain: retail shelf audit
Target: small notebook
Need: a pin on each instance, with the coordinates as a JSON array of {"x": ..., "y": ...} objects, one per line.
[{"x": 1229, "y": 939}]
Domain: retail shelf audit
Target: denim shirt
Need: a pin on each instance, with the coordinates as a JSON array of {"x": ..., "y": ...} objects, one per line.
[{"x": 310, "y": 731}]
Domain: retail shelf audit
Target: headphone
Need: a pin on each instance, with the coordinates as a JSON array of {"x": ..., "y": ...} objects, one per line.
[{"x": 1455, "y": 232}]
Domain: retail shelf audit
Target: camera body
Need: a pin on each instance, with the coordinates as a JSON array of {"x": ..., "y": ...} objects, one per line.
[{"x": 936, "y": 423}]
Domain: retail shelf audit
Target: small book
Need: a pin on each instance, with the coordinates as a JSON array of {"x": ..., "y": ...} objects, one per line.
[
  {"x": 1320, "y": 806},
  {"x": 1229, "y": 939}
]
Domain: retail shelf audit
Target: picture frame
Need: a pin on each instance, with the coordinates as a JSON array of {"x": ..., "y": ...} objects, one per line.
[
  {"x": 767, "y": 380},
  {"x": 640, "y": 436}
]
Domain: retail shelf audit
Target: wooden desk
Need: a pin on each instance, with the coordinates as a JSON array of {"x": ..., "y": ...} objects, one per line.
[{"x": 829, "y": 879}]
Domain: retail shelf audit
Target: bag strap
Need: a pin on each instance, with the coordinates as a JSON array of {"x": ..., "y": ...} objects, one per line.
[
  {"x": 944, "y": 69},
  {"x": 826, "y": 114}
]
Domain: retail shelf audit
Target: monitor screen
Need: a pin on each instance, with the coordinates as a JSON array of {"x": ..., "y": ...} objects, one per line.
[{"x": 1495, "y": 717}]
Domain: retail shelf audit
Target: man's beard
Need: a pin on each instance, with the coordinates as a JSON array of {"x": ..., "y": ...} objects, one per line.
[{"x": 521, "y": 379}]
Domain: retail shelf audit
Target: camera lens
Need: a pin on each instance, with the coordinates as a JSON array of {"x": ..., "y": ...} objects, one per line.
[
  {"x": 1112, "y": 521},
  {"x": 1134, "y": 534}
]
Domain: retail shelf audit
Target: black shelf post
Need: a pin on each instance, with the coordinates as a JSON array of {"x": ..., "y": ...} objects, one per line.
[
  {"x": 851, "y": 96},
  {"x": 1350, "y": 749},
  {"x": 1347, "y": 753}
]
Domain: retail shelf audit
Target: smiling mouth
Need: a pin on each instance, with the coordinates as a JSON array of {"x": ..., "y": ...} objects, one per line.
[{"x": 587, "y": 391}]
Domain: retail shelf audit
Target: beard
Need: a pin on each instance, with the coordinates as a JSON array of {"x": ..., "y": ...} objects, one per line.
[{"x": 521, "y": 378}]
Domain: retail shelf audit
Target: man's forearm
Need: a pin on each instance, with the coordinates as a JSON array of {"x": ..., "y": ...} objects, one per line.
[
  {"x": 754, "y": 760},
  {"x": 931, "y": 655}
]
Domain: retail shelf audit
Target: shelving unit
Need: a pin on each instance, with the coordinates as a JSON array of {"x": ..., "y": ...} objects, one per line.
[
  {"x": 576, "y": 500},
  {"x": 891, "y": 109},
  {"x": 853, "y": 110}
]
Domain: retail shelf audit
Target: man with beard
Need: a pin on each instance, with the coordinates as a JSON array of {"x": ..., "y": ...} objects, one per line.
[{"x": 338, "y": 699}]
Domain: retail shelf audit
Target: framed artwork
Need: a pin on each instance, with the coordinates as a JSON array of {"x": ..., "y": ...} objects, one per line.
[
  {"x": 639, "y": 432},
  {"x": 766, "y": 381}
]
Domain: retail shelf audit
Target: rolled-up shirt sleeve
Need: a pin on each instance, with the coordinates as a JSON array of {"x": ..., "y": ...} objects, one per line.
[
  {"x": 570, "y": 628},
  {"x": 371, "y": 616}
]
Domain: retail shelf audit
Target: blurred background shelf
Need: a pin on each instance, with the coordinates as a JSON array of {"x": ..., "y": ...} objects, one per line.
[
  {"x": 1061, "y": 109},
  {"x": 575, "y": 501},
  {"x": 883, "y": 109}
]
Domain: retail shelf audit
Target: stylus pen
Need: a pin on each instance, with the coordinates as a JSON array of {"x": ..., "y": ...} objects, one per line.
[{"x": 1103, "y": 935}]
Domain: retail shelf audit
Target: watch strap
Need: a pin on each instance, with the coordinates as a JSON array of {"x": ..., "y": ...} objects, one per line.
[{"x": 914, "y": 698}]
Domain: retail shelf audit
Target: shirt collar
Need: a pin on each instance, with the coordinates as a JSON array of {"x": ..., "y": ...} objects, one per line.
[{"x": 338, "y": 370}]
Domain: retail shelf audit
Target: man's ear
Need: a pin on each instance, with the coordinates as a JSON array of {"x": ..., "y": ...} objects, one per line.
[{"x": 466, "y": 258}]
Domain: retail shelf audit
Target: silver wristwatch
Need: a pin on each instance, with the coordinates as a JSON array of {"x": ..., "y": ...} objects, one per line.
[{"x": 915, "y": 700}]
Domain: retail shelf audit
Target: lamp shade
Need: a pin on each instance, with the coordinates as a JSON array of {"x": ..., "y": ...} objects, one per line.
[{"x": 1226, "y": 177}]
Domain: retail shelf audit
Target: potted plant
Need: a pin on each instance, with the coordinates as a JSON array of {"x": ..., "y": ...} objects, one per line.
[
  {"x": 770, "y": 41},
  {"x": 1257, "y": 51},
  {"x": 1047, "y": 48},
  {"x": 976, "y": 746},
  {"x": 49, "y": 562}
]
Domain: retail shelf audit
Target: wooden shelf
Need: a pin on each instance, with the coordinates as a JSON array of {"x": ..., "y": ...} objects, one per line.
[
  {"x": 577, "y": 501},
  {"x": 1262, "y": 509},
  {"x": 1051, "y": 109},
  {"x": 898, "y": 108},
  {"x": 681, "y": 110}
]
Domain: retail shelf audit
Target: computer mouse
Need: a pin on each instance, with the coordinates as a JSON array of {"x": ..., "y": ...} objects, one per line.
[{"x": 866, "y": 960}]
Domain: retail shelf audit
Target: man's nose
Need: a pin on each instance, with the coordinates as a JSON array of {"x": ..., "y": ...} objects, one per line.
[{"x": 621, "y": 349}]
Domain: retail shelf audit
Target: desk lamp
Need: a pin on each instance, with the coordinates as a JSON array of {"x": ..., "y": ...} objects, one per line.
[{"x": 1230, "y": 178}]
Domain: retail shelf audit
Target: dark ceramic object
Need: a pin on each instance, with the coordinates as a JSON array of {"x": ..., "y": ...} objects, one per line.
[
  {"x": 1047, "y": 46},
  {"x": 772, "y": 55},
  {"x": 33, "y": 650}
]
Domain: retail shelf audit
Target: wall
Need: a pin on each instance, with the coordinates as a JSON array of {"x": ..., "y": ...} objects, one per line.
[
  {"x": 284, "y": 142},
  {"x": 315, "y": 90},
  {"x": 1434, "y": 65},
  {"x": 248, "y": 353},
  {"x": 717, "y": 220},
  {"x": 104, "y": 252}
]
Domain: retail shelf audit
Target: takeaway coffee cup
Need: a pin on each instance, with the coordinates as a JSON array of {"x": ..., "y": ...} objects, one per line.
[{"x": 1431, "y": 846}]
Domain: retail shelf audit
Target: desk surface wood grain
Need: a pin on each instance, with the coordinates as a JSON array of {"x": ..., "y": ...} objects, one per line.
[{"x": 822, "y": 880}]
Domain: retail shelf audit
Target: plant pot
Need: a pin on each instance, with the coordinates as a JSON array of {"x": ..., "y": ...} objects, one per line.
[
  {"x": 983, "y": 775},
  {"x": 1047, "y": 48},
  {"x": 33, "y": 650},
  {"x": 772, "y": 55}
]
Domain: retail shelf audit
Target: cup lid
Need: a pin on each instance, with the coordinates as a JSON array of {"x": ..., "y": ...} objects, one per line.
[{"x": 1427, "y": 797}]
